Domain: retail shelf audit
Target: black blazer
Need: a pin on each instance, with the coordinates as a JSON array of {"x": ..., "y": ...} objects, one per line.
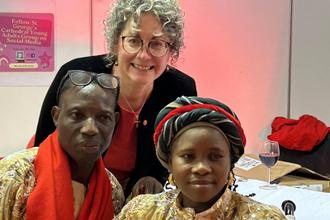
[{"x": 167, "y": 88}]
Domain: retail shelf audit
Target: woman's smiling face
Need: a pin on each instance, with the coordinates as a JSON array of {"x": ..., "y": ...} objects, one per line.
[
  {"x": 200, "y": 165},
  {"x": 141, "y": 67}
]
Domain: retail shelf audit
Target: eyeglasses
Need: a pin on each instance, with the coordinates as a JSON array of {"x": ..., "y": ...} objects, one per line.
[
  {"x": 83, "y": 78},
  {"x": 157, "y": 48}
]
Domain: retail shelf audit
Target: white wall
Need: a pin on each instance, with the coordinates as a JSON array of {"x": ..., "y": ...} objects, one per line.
[
  {"x": 310, "y": 82},
  {"x": 20, "y": 104},
  {"x": 238, "y": 51},
  {"x": 19, "y": 112}
]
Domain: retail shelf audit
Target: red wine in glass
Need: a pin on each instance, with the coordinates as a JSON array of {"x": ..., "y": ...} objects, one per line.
[
  {"x": 268, "y": 153},
  {"x": 268, "y": 159}
]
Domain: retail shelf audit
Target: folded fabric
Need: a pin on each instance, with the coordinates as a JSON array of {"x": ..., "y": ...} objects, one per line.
[{"x": 302, "y": 134}]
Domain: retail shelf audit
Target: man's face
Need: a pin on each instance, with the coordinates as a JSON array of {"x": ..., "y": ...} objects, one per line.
[{"x": 85, "y": 120}]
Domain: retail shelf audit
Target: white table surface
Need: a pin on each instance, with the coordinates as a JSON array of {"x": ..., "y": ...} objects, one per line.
[{"x": 310, "y": 205}]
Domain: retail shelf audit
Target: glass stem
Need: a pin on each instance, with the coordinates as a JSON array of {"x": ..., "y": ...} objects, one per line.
[{"x": 268, "y": 182}]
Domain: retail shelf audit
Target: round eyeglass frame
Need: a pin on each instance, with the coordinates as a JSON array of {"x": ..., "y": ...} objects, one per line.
[{"x": 122, "y": 43}]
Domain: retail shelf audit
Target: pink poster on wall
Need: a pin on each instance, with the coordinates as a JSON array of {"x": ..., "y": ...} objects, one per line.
[{"x": 26, "y": 42}]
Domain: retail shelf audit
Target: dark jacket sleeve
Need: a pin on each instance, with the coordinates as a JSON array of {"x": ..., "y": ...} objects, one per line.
[{"x": 45, "y": 124}]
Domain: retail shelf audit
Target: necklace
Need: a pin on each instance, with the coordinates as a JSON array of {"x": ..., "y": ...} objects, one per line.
[{"x": 137, "y": 121}]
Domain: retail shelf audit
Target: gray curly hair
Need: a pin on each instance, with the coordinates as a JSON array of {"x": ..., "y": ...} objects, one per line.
[{"x": 168, "y": 12}]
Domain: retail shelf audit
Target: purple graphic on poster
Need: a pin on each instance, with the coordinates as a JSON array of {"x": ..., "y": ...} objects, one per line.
[{"x": 26, "y": 42}]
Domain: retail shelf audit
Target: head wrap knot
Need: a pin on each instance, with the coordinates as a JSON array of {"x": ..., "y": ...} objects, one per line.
[{"x": 187, "y": 110}]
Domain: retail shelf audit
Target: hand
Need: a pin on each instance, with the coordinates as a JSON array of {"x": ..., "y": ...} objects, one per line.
[{"x": 146, "y": 185}]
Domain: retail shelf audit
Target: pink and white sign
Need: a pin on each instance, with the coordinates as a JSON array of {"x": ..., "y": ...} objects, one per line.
[{"x": 26, "y": 42}]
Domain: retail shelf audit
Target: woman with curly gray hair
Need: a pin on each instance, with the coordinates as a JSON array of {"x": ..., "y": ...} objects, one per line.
[
  {"x": 168, "y": 14},
  {"x": 144, "y": 37}
]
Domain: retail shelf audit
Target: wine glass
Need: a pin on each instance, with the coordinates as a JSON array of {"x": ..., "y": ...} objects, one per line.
[{"x": 268, "y": 153}]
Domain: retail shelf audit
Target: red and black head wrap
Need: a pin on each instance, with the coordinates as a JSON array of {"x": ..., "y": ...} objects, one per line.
[{"x": 188, "y": 110}]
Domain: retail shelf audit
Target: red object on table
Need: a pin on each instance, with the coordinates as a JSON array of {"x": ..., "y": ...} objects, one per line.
[{"x": 302, "y": 134}]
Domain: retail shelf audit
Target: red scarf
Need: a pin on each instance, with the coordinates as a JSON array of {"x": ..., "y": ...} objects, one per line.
[{"x": 52, "y": 197}]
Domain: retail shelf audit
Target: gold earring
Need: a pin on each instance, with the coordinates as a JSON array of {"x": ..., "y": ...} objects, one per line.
[
  {"x": 170, "y": 179},
  {"x": 230, "y": 179}
]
